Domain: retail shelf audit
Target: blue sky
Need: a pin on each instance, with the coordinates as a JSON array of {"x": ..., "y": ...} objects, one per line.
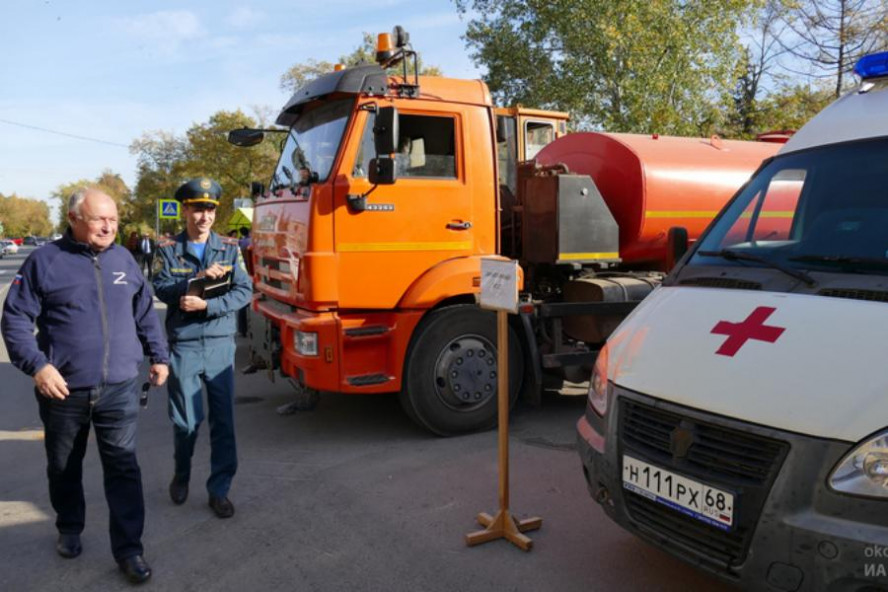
[{"x": 111, "y": 70}]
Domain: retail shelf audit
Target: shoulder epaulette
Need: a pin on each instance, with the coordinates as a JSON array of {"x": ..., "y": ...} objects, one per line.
[
  {"x": 166, "y": 243},
  {"x": 228, "y": 240}
]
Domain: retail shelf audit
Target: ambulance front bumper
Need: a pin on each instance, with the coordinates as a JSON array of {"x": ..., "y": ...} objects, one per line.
[{"x": 789, "y": 530}]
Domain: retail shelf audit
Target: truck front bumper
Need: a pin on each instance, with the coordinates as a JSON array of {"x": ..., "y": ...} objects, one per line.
[{"x": 790, "y": 532}]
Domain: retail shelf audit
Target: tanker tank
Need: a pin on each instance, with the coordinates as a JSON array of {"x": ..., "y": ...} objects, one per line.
[{"x": 651, "y": 183}]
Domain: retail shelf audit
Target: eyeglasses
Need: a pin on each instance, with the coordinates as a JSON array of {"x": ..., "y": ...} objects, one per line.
[{"x": 99, "y": 220}]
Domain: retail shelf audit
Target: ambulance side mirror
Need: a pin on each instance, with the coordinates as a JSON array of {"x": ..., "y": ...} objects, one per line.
[{"x": 676, "y": 246}]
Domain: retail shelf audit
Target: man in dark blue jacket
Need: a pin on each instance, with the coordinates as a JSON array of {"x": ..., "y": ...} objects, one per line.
[
  {"x": 200, "y": 323},
  {"x": 95, "y": 320}
]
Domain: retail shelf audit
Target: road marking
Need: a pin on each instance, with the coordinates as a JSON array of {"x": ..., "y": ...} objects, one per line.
[{"x": 21, "y": 435}]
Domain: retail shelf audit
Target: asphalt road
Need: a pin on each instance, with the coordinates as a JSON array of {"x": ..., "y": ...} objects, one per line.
[{"x": 351, "y": 496}]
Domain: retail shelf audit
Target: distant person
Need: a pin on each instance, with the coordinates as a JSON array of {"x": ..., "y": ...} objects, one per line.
[
  {"x": 146, "y": 254},
  {"x": 132, "y": 244},
  {"x": 95, "y": 316},
  {"x": 201, "y": 335},
  {"x": 244, "y": 241}
]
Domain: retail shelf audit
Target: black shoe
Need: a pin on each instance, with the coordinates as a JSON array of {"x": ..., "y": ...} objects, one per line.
[
  {"x": 222, "y": 507},
  {"x": 178, "y": 492},
  {"x": 68, "y": 545},
  {"x": 135, "y": 568}
]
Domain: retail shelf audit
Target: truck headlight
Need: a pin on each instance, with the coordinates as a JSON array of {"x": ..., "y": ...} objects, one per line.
[
  {"x": 305, "y": 343},
  {"x": 864, "y": 470},
  {"x": 598, "y": 385}
]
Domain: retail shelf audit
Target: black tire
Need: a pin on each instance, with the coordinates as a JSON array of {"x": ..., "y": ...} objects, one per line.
[{"x": 450, "y": 377}]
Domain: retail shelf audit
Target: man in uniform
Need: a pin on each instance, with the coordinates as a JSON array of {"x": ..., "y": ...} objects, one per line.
[{"x": 200, "y": 327}]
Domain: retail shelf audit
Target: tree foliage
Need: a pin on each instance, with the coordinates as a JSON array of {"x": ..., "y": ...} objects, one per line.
[
  {"x": 634, "y": 66},
  {"x": 298, "y": 74},
  {"x": 22, "y": 216},
  {"x": 166, "y": 160},
  {"x": 829, "y": 36}
]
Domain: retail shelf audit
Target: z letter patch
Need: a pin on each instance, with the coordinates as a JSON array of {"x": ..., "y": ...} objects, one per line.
[{"x": 119, "y": 278}]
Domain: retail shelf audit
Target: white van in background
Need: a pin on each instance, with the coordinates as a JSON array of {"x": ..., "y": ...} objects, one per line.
[{"x": 738, "y": 418}]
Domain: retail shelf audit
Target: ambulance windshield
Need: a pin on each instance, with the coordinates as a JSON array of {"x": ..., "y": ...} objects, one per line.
[{"x": 824, "y": 209}]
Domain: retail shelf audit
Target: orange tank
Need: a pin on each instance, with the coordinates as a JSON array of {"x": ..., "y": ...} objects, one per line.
[{"x": 651, "y": 183}]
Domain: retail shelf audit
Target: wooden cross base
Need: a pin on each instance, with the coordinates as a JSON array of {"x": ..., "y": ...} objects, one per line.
[{"x": 504, "y": 526}]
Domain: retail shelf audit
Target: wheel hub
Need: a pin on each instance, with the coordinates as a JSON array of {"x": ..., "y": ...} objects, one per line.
[{"x": 466, "y": 372}]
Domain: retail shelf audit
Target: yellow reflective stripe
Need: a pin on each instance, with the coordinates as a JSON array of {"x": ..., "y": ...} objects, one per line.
[
  {"x": 376, "y": 247},
  {"x": 774, "y": 214},
  {"x": 580, "y": 256},
  {"x": 680, "y": 214},
  {"x": 708, "y": 214}
]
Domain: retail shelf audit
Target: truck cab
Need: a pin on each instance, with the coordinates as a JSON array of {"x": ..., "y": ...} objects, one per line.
[
  {"x": 738, "y": 417},
  {"x": 367, "y": 240}
]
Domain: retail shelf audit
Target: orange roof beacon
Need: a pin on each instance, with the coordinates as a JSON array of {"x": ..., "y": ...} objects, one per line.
[{"x": 390, "y": 189}]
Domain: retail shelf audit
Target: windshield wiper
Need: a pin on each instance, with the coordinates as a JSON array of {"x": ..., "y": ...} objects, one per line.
[
  {"x": 739, "y": 256},
  {"x": 843, "y": 260}
]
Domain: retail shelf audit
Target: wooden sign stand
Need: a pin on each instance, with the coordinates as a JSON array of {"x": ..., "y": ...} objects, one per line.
[{"x": 503, "y": 525}]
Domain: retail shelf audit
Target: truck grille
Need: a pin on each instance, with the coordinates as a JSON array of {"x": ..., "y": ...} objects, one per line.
[{"x": 743, "y": 463}]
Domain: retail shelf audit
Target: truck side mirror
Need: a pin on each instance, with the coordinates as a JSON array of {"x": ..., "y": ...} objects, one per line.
[
  {"x": 245, "y": 137},
  {"x": 385, "y": 132},
  {"x": 676, "y": 246},
  {"x": 382, "y": 170}
]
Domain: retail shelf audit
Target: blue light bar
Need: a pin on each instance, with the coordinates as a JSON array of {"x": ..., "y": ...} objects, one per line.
[{"x": 872, "y": 66}]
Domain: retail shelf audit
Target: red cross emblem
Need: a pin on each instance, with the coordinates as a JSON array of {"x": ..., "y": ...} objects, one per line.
[{"x": 753, "y": 327}]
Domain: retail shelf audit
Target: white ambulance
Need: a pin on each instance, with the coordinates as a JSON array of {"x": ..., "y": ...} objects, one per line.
[{"x": 739, "y": 417}]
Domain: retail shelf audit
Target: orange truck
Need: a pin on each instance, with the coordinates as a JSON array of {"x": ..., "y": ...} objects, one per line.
[{"x": 391, "y": 188}]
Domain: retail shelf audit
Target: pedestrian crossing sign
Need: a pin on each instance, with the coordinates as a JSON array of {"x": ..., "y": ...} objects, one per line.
[{"x": 168, "y": 209}]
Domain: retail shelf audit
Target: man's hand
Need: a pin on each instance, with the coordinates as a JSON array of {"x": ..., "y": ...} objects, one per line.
[
  {"x": 214, "y": 272},
  {"x": 192, "y": 303},
  {"x": 158, "y": 374},
  {"x": 50, "y": 383}
]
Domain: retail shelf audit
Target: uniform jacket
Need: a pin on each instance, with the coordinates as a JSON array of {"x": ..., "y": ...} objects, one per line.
[
  {"x": 174, "y": 265},
  {"x": 94, "y": 314}
]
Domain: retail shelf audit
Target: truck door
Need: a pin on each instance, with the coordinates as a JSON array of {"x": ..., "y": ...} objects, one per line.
[{"x": 406, "y": 228}]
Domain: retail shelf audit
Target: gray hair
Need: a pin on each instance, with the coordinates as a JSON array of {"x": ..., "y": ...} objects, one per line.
[{"x": 75, "y": 200}]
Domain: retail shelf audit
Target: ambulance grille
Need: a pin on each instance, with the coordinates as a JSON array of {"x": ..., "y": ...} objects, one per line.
[
  {"x": 716, "y": 452},
  {"x": 870, "y": 295},
  {"x": 736, "y": 461},
  {"x": 728, "y": 283}
]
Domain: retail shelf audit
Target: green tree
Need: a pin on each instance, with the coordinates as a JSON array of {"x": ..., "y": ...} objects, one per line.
[
  {"x": 759, "y": 71},
  {"x": 792, "y": 106},
  {"x": 23, "y": 216},
  {"x": 297, "y": 75},
  {"x": 165, "y": 161},
  {"x": 633, "y": 66}
]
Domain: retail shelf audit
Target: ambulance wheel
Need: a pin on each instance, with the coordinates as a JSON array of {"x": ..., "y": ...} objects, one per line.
[{"x": 450, "y": 381}]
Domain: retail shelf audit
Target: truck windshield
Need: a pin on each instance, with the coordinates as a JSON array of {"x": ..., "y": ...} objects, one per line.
[
  {"x": 311, "y": 146},
  {"x": 824, "y": 209}
]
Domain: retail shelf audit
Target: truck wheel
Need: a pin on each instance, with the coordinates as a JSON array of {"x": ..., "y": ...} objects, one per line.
[{"x": 451, "y": 371}]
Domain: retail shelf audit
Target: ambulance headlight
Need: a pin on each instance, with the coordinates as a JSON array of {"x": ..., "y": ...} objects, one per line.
[
  {"x": 598, "y": 385},
  {"x": 305, "y": 343},
  {"x": 864, "y": 470}
]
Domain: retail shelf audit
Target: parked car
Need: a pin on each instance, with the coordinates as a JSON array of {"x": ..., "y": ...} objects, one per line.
[
  {"x": 30, "y": 241},
  {"x": 8, "y": 247}
]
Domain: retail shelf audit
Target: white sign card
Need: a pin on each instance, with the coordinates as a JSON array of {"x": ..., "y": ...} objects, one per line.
[{"x": 499, "y": 284}]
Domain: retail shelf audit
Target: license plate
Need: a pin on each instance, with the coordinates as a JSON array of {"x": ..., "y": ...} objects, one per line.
[{"x": 698, "y": 500}]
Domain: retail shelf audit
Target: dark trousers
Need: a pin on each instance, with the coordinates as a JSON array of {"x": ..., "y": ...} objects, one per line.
[
  {"x": 146, "y": 261},
  {"x": 113, "y": 410}
]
